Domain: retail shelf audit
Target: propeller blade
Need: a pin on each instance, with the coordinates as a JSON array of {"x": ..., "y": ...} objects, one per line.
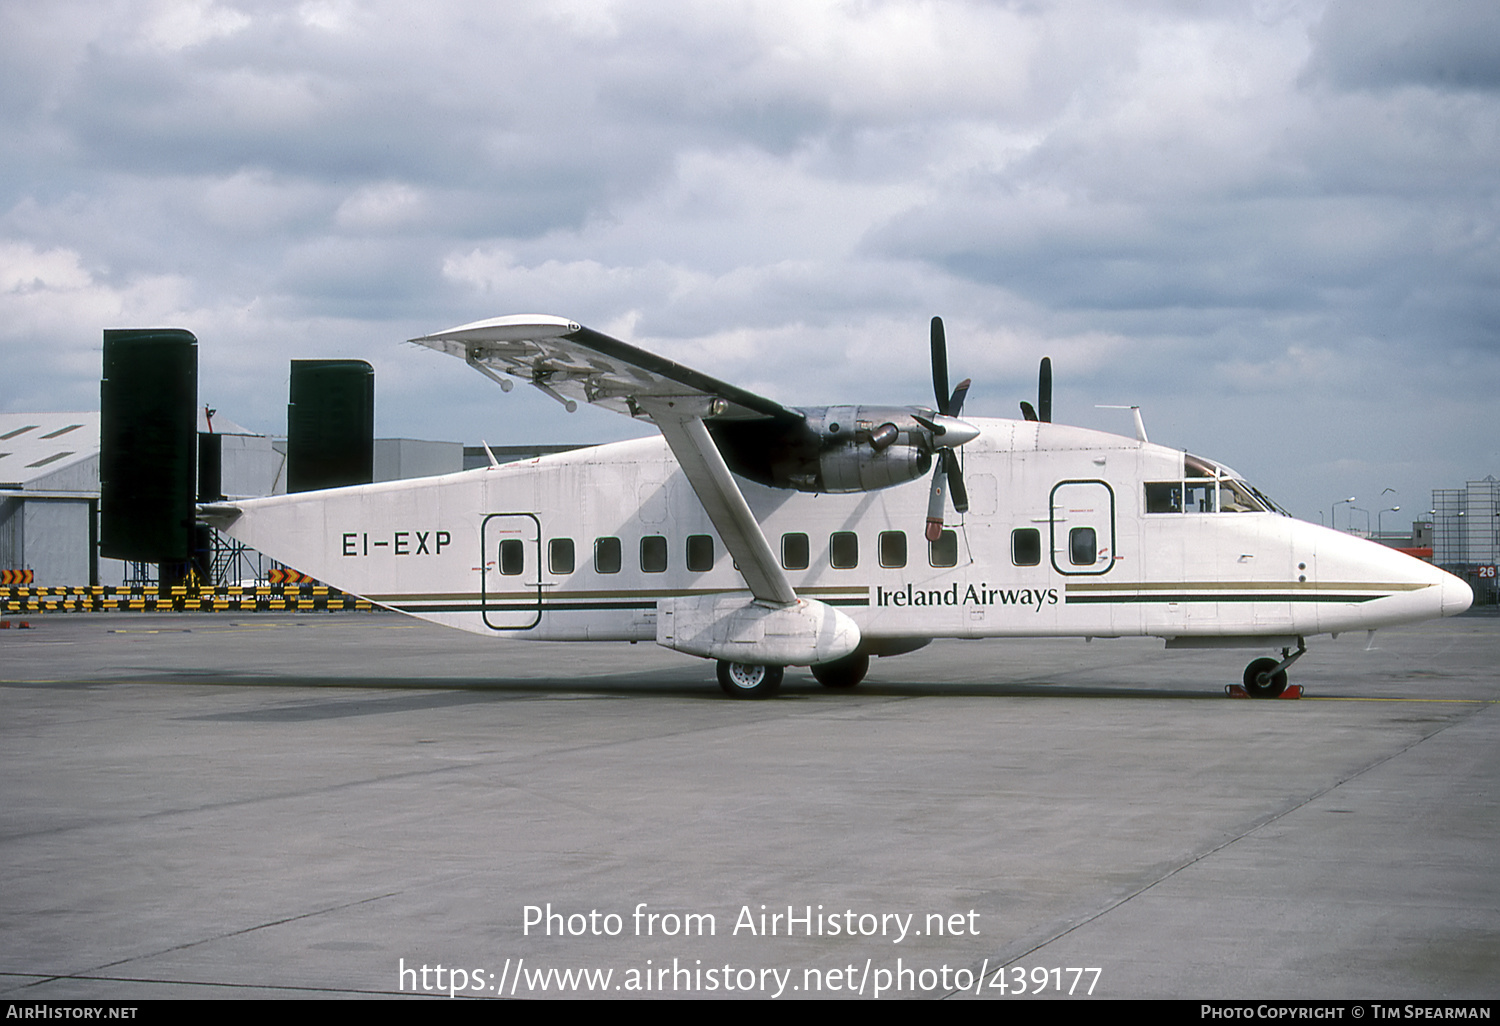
[
  {"x": 935, "y": 503},
  {"x": 955, "y": 477},
  {"x": 956, "y": 402},
  {"x": 931, "y": 425},
  {"x": 939, "y": 363},
  {"x": 1028, "y": 411},
  {"x": 1044, "y": 390},
  {"x": 946, "y": 425}
]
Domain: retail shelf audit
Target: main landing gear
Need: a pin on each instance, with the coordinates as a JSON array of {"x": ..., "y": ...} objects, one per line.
[
  {"x": 843, "y": 673},
  {"x": 1266, "y": 677},
  {"x": 749, "y": 680}
]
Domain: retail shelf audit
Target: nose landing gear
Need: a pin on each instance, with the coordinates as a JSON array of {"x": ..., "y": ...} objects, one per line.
[{"x": 1266, "y": 677}]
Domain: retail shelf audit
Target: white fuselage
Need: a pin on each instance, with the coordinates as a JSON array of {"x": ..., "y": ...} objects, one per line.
[{"x": 1057, "y": 542}]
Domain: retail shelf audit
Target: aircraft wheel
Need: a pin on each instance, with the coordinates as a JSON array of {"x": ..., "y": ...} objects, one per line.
[
  {"x": 842, "y": 673},
  {"x": 749, "y": 680},
  {"x": 1260, "y": 682}
]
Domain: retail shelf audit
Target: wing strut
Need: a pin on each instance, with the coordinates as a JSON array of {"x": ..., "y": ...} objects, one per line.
[{"x": 680, "y": 420}]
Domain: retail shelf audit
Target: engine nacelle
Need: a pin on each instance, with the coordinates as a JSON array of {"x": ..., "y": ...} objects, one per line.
[
  {"x": 862, "y": 468},
  {"x": 863, "y": 448},
  {"x": 835, "y": 449}
]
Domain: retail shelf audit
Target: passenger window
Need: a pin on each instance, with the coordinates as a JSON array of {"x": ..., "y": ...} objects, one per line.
[
  {"x": 512, "y": 556},
  {"x": 560, "y": 555},
  {"x": 1026, "y": 546},
  {"x": 1083, "y": 546},
  {"x": 794, "y": 551},
  {"x": 843, "y": 550},
  {"x": 892, "y": 549},
  {"x": 944, "y": 551},
  {"x": 1164, "y": 497},
  {"x": 606, "y": 555},
  {"x": 700, "y": 553},
  {"x": 653, "y": 554}
]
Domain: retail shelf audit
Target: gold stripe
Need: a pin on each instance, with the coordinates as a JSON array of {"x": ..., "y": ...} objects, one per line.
[{"x": 530, "y": 593}]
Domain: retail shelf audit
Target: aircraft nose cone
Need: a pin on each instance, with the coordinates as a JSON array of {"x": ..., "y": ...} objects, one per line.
[{"x": 1457, "y": 595}]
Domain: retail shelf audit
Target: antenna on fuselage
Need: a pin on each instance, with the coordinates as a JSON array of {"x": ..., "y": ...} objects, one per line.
[{"x": 1140, "y": 425}]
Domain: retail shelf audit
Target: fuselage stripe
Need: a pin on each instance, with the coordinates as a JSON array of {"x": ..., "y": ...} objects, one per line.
[
  {"x": 1297, "y": 586},
  {"x": 1074, "y": 600},
  {"x": 411, "y": 604}
]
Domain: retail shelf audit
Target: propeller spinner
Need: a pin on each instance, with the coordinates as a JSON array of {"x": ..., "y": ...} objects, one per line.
[{"x": 948, "y": 433}]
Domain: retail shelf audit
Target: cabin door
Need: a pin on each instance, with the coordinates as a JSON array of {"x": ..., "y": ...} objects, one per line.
[
  {"x": 1083, "y": 527},
  {"x": 511, "y": 579}
]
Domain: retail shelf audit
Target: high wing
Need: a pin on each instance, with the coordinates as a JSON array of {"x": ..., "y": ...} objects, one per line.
[{"x": 572, "y": 363}]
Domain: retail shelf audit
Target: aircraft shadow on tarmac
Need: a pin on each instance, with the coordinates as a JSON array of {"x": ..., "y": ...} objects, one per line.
[{"x": 422, "y": 694}]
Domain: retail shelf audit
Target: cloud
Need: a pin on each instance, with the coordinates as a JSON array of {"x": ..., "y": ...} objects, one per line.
[
  {"x": 1271, "y": 224},
  {"x": 1385, "y": 44},
  {"x": 173, "y": 25}
]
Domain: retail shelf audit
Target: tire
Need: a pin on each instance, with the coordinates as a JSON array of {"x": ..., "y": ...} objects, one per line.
[
  {"x": 749, "y": 680},
  {"x": 1270, "y": 688},
  {"x": 843, "y": 673}
]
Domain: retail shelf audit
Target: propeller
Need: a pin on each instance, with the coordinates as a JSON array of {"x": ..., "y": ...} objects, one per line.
[
  {"x": 1043, "y": 409},
  {"x": 948, "y": 432}
]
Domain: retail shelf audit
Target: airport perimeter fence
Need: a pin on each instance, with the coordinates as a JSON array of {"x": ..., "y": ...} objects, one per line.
[{"x": 178, "y": 599}]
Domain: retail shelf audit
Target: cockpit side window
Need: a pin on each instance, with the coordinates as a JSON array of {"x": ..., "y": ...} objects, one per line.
[{"x": 1164, "y": 497}]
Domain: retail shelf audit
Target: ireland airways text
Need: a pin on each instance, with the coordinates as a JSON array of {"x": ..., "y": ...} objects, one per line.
[{"x": 980, "y": 594}]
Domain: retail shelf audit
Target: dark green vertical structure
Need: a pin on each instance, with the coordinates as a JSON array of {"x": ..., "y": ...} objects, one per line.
[
  {"x": 148, "y": 432},
  {"x": 330, "y": 425},
  {"x": 210, "y": 467}
]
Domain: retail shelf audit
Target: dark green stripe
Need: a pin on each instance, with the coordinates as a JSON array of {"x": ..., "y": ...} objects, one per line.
[{"x": 1092, "y": 599}]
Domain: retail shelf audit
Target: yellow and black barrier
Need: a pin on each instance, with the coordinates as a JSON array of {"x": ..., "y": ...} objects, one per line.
[{"x": 181, "y": 598}]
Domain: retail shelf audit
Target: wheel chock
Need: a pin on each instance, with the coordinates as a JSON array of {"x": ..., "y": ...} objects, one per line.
[{"x": 1238, "y": 691}]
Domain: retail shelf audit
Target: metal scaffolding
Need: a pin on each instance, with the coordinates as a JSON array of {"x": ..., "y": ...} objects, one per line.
[{"x": 1466, "y": 534}]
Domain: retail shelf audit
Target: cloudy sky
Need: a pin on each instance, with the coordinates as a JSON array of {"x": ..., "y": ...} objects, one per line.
[{"x": 1274, "y": 225}]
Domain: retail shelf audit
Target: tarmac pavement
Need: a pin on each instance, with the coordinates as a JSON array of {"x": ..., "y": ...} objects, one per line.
[{"x": 269, "y": 805}]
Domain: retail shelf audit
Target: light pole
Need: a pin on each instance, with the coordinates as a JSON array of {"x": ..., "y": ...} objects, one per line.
[
  {"x": 1331, "y": 522},
  {"x": 1367, "y": 520},
  {"x": 1379, "y": 527}
]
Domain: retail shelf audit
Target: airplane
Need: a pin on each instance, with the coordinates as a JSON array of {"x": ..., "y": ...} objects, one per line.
[{"x": 763, "y": 536}]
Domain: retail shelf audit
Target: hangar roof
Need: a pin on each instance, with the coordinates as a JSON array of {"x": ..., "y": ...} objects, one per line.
[{"x": 35, "y": 447}]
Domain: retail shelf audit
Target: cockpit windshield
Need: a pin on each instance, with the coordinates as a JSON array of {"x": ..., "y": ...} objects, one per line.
[{"x": 1207, "y": 488}]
